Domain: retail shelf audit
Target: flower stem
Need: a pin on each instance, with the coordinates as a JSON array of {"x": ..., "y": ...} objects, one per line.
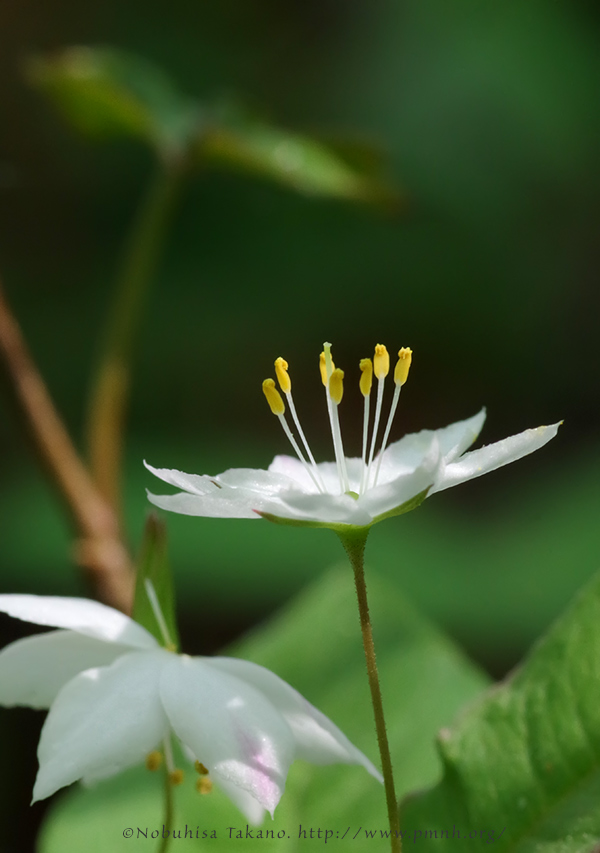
[
  {"x": 354, "y": 545},
  {"x": 110, "y": 388}
]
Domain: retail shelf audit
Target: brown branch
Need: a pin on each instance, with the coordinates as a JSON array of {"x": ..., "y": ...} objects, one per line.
[{"x": 99, "y": 549}]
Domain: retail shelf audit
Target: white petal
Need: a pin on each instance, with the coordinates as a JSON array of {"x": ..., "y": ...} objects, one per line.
[
  {"x": 33, "y": 670},
  {"x": 493, "y": 456},
  {"x": 318, "y": 740},
  {"x": 245, "y": 802},
  {"x": 235, "y": 732},
  {"x": 406, "y": 455},
  {"x": 197, "y": 484},
  {"x": 79, "y": 614},
  {"x": 291, "y": 467},
  {"x": 407, "y": 485},
  {"x": 103, "y": 720},
  {"x": 323, "y": 509},
  {"x": 234, "y": 506},
  {"x": 457, "y": 437},
  {"x": 265, "y": 483}
]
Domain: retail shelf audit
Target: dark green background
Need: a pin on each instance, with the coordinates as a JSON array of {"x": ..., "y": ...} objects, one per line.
[{"x": 488, "y": 117}]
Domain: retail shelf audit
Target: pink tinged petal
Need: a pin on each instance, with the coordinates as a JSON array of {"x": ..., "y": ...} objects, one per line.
[
  {"x": 479, "y": 462},
  {"x": 34, "y": 670},
  {"x": 232, "y": 728},
  {"x": 104, "y": 720},
  {"x": 79, "y": 614},
  {"x": 317, "y": 739}
]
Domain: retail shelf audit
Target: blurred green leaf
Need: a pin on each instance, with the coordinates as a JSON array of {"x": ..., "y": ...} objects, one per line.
[
  {"x": 106, "y": 92},
  {"x": 248, "y": 143},
  {"x": 315, "y": 645},
  {"x": 153, "y": 565},
  {"x": 526, "y": 758}
]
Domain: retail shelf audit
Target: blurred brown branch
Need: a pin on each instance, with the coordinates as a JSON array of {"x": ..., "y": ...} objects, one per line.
[{"x": 99, "y": 549}]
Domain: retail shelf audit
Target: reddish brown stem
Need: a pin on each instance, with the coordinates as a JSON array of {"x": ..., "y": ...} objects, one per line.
[{"x": 99, "y": 548}]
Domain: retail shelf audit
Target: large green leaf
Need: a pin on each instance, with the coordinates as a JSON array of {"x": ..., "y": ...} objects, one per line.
[
  {"x": 236, "y": 140},
  {"x": 525, "y": 761},
  {"x": 315, "y": 645},
  {"x": 107, "y": 92}
]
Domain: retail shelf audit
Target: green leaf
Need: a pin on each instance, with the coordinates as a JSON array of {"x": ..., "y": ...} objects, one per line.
[
  {"x": 297, "y": 161},
  {"x": 153, "y": 565},
  {"x": 526, "y": 758},
  {"x": 106, "y": 92},
  {"x": 315, "y": 645}
]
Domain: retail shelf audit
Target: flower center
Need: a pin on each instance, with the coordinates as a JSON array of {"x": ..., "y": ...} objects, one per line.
[{"x": 333, "y": 381}]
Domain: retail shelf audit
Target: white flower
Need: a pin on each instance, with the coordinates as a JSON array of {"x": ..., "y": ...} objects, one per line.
[
  {"x": 350, "y": 491},
  {"x": 115, "y": 695}
]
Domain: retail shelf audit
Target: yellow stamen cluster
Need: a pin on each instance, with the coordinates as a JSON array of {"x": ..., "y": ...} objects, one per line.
[
  {"x": 333, "y": 380},
  {"x": 154, "y": 760},
  {"x": 274, "y": 398}
]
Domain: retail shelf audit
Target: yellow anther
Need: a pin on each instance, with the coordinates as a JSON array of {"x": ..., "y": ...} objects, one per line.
[
  {"x": 336, "y": 385},
  {"x": 176, "y": 777},
  {"x": 200, "y": 768},
  {"x": 281, "y": 370},
  {"x": 366, "y": 378},
  {"x": 403, "y": 366},
  {"x": 273, "y": 396},
  {"x": 153, "y": 760},
  {"x": 323, "y": 369},
  {"x": 381, "y": 362},
  {"x": 204, "y": 785}
]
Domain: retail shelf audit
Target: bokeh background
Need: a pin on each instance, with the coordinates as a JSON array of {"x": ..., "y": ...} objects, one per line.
[{"x": 486, "y": 117}]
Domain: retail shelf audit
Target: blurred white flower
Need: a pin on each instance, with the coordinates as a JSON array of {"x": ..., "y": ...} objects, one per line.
[
  {"x": 115, "y": 695},
  {"x": 350, "y": 491}
]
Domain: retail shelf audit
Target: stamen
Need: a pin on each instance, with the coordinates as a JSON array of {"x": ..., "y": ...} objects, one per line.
[
  {"x": 400, "y": 377},
  {"x": 283, "y": 377},
  {"x": 366, "y": 382},
  {"x": 277, "y": 405},
  {"x": 334, "y": 421},
  {"x": 274, "y": 398},
  {"x": 381, "y": 367},
  {"x": 154, "y": 760},
  {"x": 156, "y": 609},
  {"x": 336, "y": 386},
  {"x": 285, "y": 383},
  {"x": 204, "y": 785},
  {"x": 175, "y": 775},
  {"x": 403, "y": 366},
  {"x": 200, "y": 768}
]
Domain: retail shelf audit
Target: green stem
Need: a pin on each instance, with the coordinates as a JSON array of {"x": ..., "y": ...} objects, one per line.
[
  {"x": 110, "y": 388},
  {"x": 354, "y": 545},
  {"x": 168, "y": 820}
]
